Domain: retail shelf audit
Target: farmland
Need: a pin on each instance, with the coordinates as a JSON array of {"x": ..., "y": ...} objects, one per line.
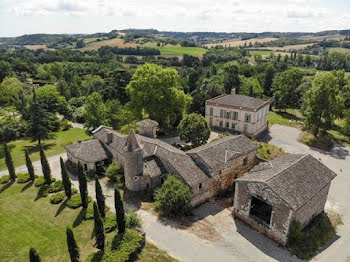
[
  {"x": 239, "y": 42},
  {"x": 116, "y": 42}
]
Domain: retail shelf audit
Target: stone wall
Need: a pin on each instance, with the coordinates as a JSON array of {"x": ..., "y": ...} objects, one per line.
[
  {"x": 281, "y": 213},
  {"x": 313, "y": 207}
]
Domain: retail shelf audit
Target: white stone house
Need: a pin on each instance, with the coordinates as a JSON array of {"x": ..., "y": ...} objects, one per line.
[{"x": 237, "y": 113}]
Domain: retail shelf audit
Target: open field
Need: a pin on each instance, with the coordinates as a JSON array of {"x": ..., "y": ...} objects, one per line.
[
  {"x": 52, "y": 147},
  {"x": 239, "y": 42},
  {"x": 340, "y": 50},
  {"x": 284, "y": 118},
  {"x": 321, "y": 38},
  {"x": 286, "y": 47},
  {"x": 179, "y": 50},
  {"x": 116, "y": 42},
  {"x": 36, "y": 47}
]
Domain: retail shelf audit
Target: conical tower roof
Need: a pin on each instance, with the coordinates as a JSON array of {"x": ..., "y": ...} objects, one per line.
[{"x": 132, "y": 143}]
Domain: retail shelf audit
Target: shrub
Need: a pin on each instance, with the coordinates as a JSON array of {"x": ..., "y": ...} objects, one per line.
[
  {"x": 56, "y": 187},
  {"x": 89, "y": 214},
  {"x": 43, "y": 191},
  {"x": 22, "y": 178},
  {"x": 57, "y": 198},
  {"x": 65, "y": 125},
  {"x": 121, "y": 248},
  {"x": 40, "y": 181},
  {"x": 75, "y": 201},
  {"x": 304, "y": 243},
  {"x": 110, "y": 223},
  {"x": 114, "y": 173},
  {"x": 132, "y": 220},
  {"x": 173, "y": 198},
  {"x": 4, "y": 179},
  {"x": 74, "y": 191},
  {"x": 268, "y": 151},
  {"x": 195, "y": 129}
]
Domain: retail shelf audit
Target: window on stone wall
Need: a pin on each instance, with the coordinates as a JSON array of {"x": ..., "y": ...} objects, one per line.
[
  {"x": 200, "y": 186},
  {"x": 233, "y": 126},
  {"x": 227, "y": 124},
  {"x": 260, "y": 210},
  {"x": 245, "y": 161},
  {"x": 221, "y": 113},
  {"x": 211, "y": 111},
  {"x": 235, "y": 115},
  {"x": 221, "y": 123}
]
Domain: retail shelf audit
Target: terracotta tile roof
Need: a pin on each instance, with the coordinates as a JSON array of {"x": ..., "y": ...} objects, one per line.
[
  {"x": 239, "y": 101},
  {"x": 295, "y": 178}
]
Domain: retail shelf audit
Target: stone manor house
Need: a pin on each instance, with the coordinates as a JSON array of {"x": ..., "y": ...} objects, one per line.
[
  {"x": 237, "y": 113},
  {"x": 268, "y": 197}
]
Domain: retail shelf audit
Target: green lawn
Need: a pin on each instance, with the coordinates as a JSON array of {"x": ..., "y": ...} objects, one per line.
[
  {"x": 284, "y": 118},
  {"x": 27, "y": 222},
  {"x": 52, "y": 147}
]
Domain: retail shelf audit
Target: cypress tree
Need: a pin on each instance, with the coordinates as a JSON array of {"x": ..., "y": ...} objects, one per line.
[
  {"x": 9, "y": 163},
  {"x": 65, "y": 179},
  {"x": 99, "y": 230},
  {"x": 83, "y": 186},
  {"x": 33, "y": 255},
  {"x": 119, "y": 209},
  {"x": 100, "y": 198},
  {"x": 29, "y": 166},
  {"x": 72, "y": 246},
  {"x": 45, "y": 167}
]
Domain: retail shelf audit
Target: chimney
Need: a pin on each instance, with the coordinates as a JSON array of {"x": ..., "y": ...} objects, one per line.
[
  {"x": 233, "y": 91},
  {"x": 79, "y": 141},
  {"x": 109, "y": 138}
]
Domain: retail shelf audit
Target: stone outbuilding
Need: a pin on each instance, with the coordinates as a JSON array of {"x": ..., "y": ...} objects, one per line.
[{"x": 273, "y": 194}]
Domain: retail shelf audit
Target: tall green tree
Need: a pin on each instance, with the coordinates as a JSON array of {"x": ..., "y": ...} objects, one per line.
[
  {"x": 251, "y": 87},
  {"x": 45, "y": 167},
  {"x": 73, "y": 248},
  {"x": 40, "y": 123},
  {"x": 268, "y": 79},
  {"x": 323, "y": 103},
  {"x": 231, "y": 77},
  {"x": 99, "y": 230},
  {"x": 83, "y": 186},
  {"x": 65, "y": 179},
  {"x": 286, "y": 90},
  {"x": 9, "y": 163},
  {"x": 33, "y": 255},
  {"x": 195, "y": 129},
  {"x": 119, "y": 210},
  {"x": 29, "y": 166},
  {"x": 161, "y": 86},
  {"x": 95, "y": 111},
  {"x": 100, "y": 198}
]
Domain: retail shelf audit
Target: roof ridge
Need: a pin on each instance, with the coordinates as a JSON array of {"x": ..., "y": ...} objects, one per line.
[{"x": 289, "y": 166}]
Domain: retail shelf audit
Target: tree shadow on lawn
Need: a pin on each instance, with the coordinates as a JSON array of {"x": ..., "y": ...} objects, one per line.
[
  {"x": 80, "y": 218},
  {"x": 287, "y": 115},
  {"x": 28, "y": 185},
  {"x": 36, "y": 148},
  {"x": 6, "y": 186},
  {"x": 61, "y": 207}
]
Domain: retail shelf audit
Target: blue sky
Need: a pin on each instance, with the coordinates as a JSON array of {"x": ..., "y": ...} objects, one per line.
[{"x": 18, "y": 17}]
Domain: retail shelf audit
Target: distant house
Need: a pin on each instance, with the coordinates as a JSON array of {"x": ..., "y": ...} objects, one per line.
[
  {"x": 147, "y": 161},
  {"x": 273, "y": 194},
  {"x": 237, "y": 113}
]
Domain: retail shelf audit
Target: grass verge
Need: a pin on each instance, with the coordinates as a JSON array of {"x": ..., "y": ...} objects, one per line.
[
  {"x": 52, "y": 146},
  {"x": 268, "y": 151}
]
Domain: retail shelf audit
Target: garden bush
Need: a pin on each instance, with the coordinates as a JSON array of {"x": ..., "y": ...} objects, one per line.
[
  {"x": 22, "y": 178},
  {"x": 115, "y": 173},
  {"x": 133, "y": 220},
  {"x": 75, "y": 201},
  {"x": 56, "y": 187},
  {"x": 41, "y": 181},
  {"x": 89, "y": 214},
  {"x": 304, "y": 243},
  {"x": 173, "y": 198},
  {"x": 4, "y": 179},
  {"x": 123, "y": 247},
  {"x": 57, "y": 198}
]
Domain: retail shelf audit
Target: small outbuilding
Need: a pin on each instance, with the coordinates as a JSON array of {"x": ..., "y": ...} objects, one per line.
[{"x": 275, "y": 193}]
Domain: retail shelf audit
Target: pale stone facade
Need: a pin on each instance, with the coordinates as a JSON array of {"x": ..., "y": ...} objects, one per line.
[
  {"x": 273, "y": 194},
  {"x": 238, "y": 113}
]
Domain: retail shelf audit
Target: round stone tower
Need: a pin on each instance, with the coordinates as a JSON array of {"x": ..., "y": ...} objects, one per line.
[{"x": 133, "y": 163}]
